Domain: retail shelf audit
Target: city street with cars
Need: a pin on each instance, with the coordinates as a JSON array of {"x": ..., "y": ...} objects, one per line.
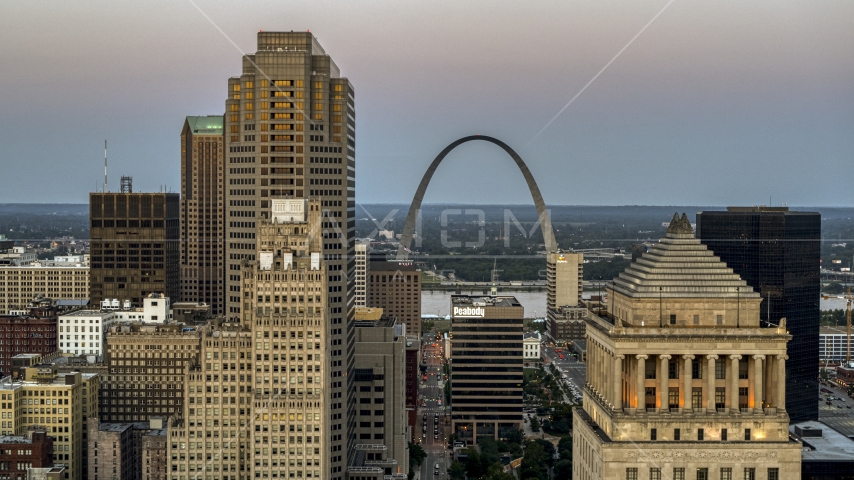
[{"x": 433, "y": 429}]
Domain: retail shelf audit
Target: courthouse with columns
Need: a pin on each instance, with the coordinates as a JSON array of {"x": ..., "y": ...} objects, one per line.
[{"x": 682, "y": 383}]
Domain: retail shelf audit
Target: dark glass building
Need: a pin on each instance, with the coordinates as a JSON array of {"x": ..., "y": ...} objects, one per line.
[
  {"x": 134, "y": 246},
  {"x": 486, "y": 366},
  {"x": 776, "y": 251}
]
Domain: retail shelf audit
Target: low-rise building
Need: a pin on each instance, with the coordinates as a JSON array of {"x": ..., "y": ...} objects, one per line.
[
  {"x": 29, "y": 332},
  {"x": 20, "y": 284},
  {"x": 61, "y": 403},
  {"x": 833, "y": 344},
  {"x": 83, "y": 332},
  {"x": 827, "y": 454},
  {"x": 566, "y": 323},
  {"x": 125, "y": 450},
  {"x": 531, "y": 347},
  {"x": 18, "y": 453}
]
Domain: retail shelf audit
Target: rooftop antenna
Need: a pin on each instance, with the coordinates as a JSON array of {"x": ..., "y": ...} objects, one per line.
[{"x": 105, "y": 166}]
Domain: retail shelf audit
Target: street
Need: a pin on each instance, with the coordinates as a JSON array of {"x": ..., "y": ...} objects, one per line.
[
  {"x": 433, "y": 431},
  {"x": 574, "y": 370}
]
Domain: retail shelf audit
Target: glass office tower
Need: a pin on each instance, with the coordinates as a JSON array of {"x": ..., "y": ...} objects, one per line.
[{"x": 777, "y": 252}]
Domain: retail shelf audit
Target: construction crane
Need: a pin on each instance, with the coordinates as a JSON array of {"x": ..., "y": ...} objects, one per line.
[{"x": 848, "y": 327}]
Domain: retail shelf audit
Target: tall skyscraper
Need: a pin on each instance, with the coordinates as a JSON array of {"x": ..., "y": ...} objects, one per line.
[
  {"x": 777, "y": 252},
  {"x": 134, "y": 246},
  {"x": 202, "y": 229},
  {"x": 486, "y": 366},
  {"x": 271, "y": 372},
  {"x": 290, "y": 132},
  {"x": 682, "y": 382}
]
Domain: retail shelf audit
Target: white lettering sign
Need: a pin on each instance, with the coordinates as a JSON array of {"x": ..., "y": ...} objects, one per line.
[{"x": 469, "y": 312}]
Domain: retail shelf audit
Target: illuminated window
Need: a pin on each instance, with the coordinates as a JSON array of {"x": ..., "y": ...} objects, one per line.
[
  {"x": 234, "y": 118},
  {"x": 318, "y": 116},
  {"x": 298, "y": 84},
  {"x": 318, "y": 106},
  {"x": 338, "y": 88},
  {"x": 284, "y": 83},
  {"x": 318, "y": 84},
  {"x": 318, "y": 95},
  {"x": 234, "y": 107},
  {"x": 265, "y": 83},
  {"x": 236, "y": 87}
]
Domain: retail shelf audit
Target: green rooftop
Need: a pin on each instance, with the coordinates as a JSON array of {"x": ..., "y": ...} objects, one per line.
[{"x": 207, "y": 125}]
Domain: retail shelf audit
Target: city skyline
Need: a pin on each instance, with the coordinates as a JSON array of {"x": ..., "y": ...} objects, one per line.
[{"x": 703, "y": 92}]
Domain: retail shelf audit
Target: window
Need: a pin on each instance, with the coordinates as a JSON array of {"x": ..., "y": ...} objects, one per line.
[
  {"x": 673, "y": 369},
  {"x": 679, "y": 473},
  {"x": 672, "y": 319},
  {"x": 720, "y": 397},
  {"x": 720, "y": 320},
  {"x": 750, "y": 473},
  {"x": 677, "y": 434},
  {"x": 653, "y": 434},
  {"x": 696, "y": 369},
  {"x": 697, "y": 398},
  {"x": 746, "y": 434},
  {"x": 631, "y": 474},
  {"x": 654, "y": 474},
  {"x": 702, "y": 474},
  {"x": 726, "y": 473},
  {"x": 696, "y": 319},
  {"x": 673, "y": 398},
  {"x": 700, "y": 434},
  {"x": 720, "y": 370},
  {"x": 723, "y": 435},
  {"x": 742, "y": 370},
  {"x": 774, "y": 473}
]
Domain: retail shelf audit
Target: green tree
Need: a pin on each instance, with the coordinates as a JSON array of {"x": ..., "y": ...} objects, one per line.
[
  {"x": 496, "y": 472},
  {"x": 534, "y": 463},
  {"x": 564, "y": 448},
  {"x": 548, "y": 450},
  {"x": 563, "y": 470},
  {"x": 535, "y": 424},
  {"x": 416, "y": 454},
  {"x": 516, "y": 436},
  {"x": 457, "y": 471}
]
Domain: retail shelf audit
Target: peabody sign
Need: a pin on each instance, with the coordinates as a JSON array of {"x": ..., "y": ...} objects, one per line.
[{"x": 470, "y": 312}]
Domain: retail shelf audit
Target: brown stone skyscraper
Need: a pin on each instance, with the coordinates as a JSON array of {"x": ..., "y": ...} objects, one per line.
[
  {"x": 202, "y": 229},
  {"x": 290, "y": 132}
]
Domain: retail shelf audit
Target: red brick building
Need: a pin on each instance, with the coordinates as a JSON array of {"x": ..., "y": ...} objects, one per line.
[
  {"x": 413, "y": 354},
  {"x": 31, "y": 333},
  {"x": 18, "y": 453}
]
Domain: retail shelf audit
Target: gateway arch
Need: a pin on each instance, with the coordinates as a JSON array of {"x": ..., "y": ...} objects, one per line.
[{"x": 415, "y": 206}]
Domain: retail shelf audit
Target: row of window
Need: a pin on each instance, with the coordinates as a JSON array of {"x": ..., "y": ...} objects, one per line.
[{"x": 702, "y": 473}]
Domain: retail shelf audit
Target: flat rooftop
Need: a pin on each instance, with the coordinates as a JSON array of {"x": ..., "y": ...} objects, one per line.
[
  {"x": 486, "y": 300},
  {"x": 832, "y": 331},
  {"x": 830, "y": 446},
  {"x": 86, "y": 313}
]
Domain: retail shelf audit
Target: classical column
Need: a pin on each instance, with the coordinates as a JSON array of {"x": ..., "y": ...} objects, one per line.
[
  {"x": 781, "y": 383},
  {"x": 664, "y": 382},
  {"x": 733, "y": 385},
  {"x": 757, "y": 382},
  {"x": 687, "y": 373},
  {"x": 710, "y": 395},
  {"x": 618, "y": 382},
  {"x": 641, "y": 382}
]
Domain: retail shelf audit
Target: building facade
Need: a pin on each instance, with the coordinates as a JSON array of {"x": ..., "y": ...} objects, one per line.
[
  {"x": 833, "y": 344},
  {"x": 413, "y": 375},
  {"x": 147, "y": 365},
  {"x": 20, "y": 285},
  {"x": 486, "y": 366},
  {"x": 531, "y": 347},
  {"x": 76, "y": 398},
  {"x": 270, "y": 371},
  {"x": 382, "y": 431},
  {"x": 290, "y": 133},
  {"x": 564, "y": 280},
  {"x": 20, "y": 453},
  {"x": 83, "y": 332},
  {"x": 33, "y": 333},
  {"x": 396, "y": 288},
  {"x": 682, "y": 382},
  {"x": 134, "y": 247},
  {"x": 777, "y": 252},
  {"x": 202, "y": 228},
  {"x": 362, "y": 265}
]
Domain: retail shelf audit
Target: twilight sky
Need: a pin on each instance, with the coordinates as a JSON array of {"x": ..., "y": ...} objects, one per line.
[{"x": 716, "y": 103}]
